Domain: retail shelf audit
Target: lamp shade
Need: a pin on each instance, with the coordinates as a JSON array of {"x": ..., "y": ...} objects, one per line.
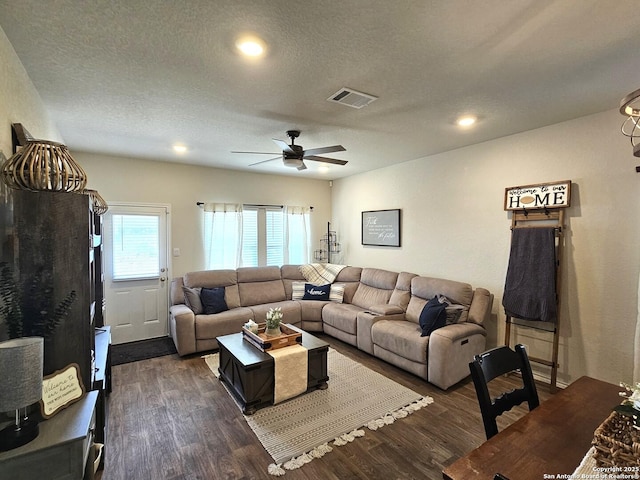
[{"x": 21, "y": 361}]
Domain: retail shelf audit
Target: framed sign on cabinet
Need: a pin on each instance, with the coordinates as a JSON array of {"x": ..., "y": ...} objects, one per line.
[{"x": 381, "y": 228}]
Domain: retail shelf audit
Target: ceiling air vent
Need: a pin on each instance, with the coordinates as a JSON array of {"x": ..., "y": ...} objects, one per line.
[{"x": 351, "y": 98}]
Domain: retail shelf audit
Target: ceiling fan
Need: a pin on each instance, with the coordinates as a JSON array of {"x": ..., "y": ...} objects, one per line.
[{"x": 293, "y": 155}]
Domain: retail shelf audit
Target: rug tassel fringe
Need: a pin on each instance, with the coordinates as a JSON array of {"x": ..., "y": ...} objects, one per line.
[
  {"x": 391, "y": 417},
  {"x": 278, "y": 470}
]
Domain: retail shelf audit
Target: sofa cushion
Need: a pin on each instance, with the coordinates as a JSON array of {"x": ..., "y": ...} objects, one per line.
[
  {"x": 213, "y": 300},
  {"x": 260, "y": 285},
  {"x": 350, "y": 278},
  {"x": 402, "y": 338},
  {"x": 192, "y": 299},
  {"x": 216, "y": 278},
  {"x": 402, "y": 292},
  {"x": 316, "y": 292},
  {"x": 425, "y": 288},
  {"x": 342, "y": 316},
  {"x": 224, "y": 323},
  {"x": 290, "y": 311},
  {"x": 290, "y": 274},
  {"x": 376, "y": 287},
  {"x": 433, "y": 316}
]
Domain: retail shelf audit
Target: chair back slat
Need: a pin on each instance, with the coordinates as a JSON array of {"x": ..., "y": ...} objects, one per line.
[{"x": 496, "y": 362}]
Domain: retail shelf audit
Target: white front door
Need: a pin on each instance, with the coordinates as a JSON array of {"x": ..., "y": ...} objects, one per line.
[{"x": 136, "y": 272}]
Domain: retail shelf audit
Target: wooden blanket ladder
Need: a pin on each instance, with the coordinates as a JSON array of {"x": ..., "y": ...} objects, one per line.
[{"x": 534, "y": 219}]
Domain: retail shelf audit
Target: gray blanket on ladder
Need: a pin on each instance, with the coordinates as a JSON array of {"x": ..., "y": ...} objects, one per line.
[{"x": 530, "y": 286}]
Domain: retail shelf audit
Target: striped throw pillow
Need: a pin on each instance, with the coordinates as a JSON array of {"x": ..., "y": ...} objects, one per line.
[
  {"x": 297, "y": 290},
  {"x": 337, "y": 292}
]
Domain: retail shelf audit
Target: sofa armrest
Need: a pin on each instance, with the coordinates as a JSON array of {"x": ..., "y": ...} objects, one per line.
[
  {"x": 386, "y": 309},
  {"x": 182, "y": 324},
  {"x": 451, "y": 349},
  {"x": 481, "y": 306}
]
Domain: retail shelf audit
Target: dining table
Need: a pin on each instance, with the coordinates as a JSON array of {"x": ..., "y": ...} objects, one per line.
[{"x": 549, "y": 442}]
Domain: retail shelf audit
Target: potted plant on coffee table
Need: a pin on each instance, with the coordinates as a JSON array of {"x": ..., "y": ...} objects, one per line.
[{"x": 274, "y": 317}]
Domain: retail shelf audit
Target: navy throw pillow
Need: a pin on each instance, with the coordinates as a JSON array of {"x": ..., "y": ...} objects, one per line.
[
  {"x": 316, "y": 292},
  {"x": 213, "y": 300},
  {"x": 433, "y": 316}
]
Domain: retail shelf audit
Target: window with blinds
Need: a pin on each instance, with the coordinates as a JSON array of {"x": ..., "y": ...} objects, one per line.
[
  {"x": 262, "y": 236},
  {"x": 136, "y": 247}
]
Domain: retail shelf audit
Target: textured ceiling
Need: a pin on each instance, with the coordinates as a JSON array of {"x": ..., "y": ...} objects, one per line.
[{"x": 131, "y": 77}]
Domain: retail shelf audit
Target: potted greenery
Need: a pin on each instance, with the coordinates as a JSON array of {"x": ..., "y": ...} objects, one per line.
[
  {"x": 274, "y": 317},
  {"x": 28, "y": 313}
]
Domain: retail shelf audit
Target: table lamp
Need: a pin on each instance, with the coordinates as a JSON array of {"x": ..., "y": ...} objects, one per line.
[{"x": 21, "y": 361}]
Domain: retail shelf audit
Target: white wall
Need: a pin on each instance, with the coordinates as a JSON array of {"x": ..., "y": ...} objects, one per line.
[
  {"x": 454, "y": 226},
  {"x": 19, "y": 100},
  {"x": 132, "y": 180}
]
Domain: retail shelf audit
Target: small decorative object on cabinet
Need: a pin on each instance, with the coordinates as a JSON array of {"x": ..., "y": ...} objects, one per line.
[{"x": 329, "y": 244}]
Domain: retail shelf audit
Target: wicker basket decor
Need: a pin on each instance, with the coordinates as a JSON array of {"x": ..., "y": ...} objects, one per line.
[
  {"x": 100, "y": 206},
  {"x": 44, "y": 165},
  {"x": 617, "y": 442}
]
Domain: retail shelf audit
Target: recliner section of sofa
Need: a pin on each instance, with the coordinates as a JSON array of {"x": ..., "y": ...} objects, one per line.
[{"x": 379, "y": 315}]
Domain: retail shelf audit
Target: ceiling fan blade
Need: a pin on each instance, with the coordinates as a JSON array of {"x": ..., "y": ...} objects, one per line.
[
  {"x": 283, "y": 145},
  {"x": 319, "y": 151},
  {"x": 325, "y": 160},
  {"x": 258, "y": 153},
  {"x": 264, "y": 161},
  {"x": 302, "y": 167}
]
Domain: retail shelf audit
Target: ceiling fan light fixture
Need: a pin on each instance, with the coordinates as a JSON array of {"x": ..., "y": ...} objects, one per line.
[
  {"x": 292, "y": 162},
  {"x": 630, "y": 108}
]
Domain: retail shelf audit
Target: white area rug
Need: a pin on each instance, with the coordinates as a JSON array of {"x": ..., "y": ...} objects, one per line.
[{"x": 303, "y": 428}]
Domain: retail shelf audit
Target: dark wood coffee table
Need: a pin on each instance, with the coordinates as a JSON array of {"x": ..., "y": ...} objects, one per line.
[{"x": 249, "y": 373}]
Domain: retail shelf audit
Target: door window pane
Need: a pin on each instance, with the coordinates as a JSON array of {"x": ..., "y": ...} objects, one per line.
[{"x": 136, "y": 247}]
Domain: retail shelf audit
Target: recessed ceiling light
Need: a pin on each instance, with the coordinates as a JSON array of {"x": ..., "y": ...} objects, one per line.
[
  {"x": 178, "y": 148},
  {"x": 251, "y": 46},
  {"x": 323, "y": 169},
  {"x": 466, "y": 121}
]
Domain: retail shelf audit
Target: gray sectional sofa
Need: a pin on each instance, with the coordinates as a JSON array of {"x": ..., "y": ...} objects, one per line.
[{"x": 379, "y": 314}]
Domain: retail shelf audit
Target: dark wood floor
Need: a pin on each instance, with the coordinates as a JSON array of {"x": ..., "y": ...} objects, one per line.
[{"x": 169, "y": 418}]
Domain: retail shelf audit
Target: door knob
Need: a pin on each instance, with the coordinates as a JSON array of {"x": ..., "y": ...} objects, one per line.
[{"x": 162, "y": 279}]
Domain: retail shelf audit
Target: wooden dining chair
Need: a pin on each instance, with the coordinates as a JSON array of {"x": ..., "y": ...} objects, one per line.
[{"x": 491, "y": 364}]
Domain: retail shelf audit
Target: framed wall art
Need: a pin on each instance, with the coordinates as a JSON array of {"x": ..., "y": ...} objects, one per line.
[{"x": 381, "y": 228}]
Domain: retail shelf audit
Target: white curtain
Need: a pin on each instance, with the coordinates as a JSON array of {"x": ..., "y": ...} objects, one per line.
[
  {"x": 222, "y": 235},
  {"x": 297, "y": 235}
]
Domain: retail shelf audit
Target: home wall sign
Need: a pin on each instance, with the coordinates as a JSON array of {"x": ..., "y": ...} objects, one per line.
[
  {"x": 381, "y": 228},
  {"x": 538, "y": 196},
  {"x": 61, "y": 389}
]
